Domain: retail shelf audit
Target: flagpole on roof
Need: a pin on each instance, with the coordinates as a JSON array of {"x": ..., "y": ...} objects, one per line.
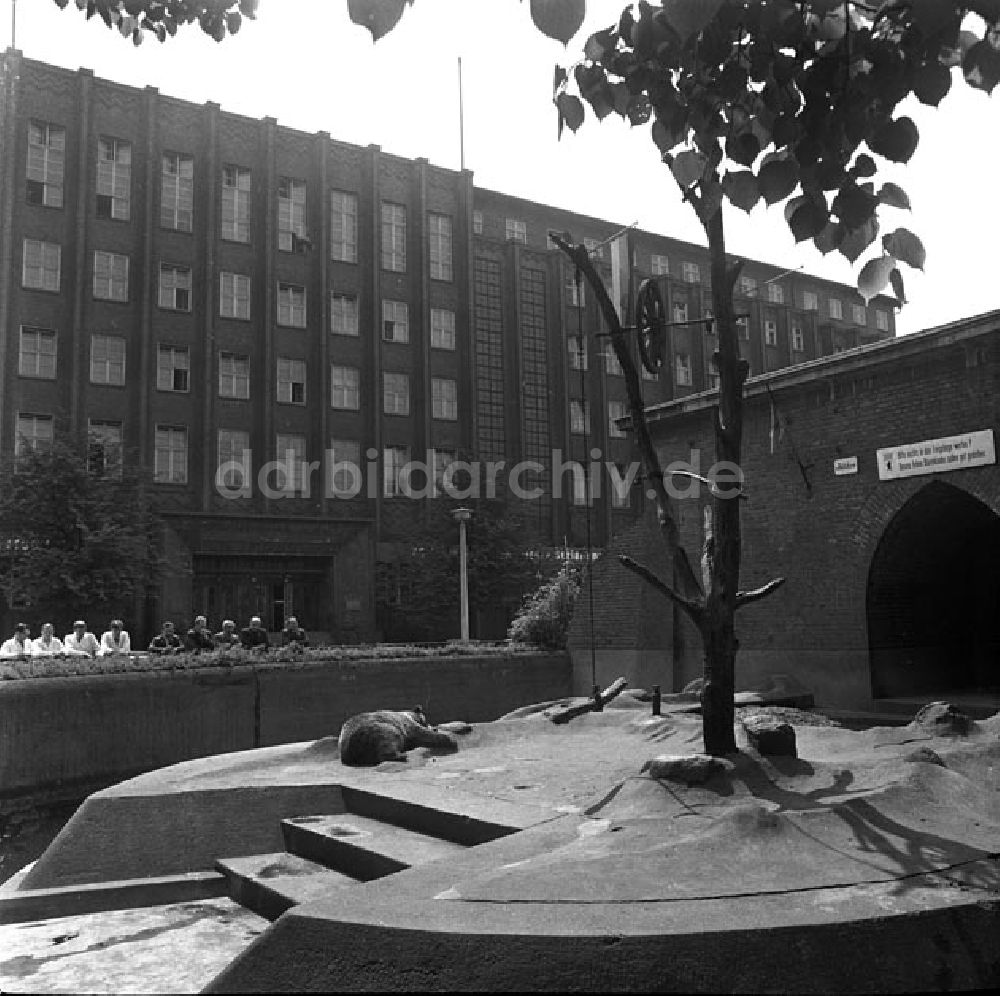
[{"x": 461, "y": 119}]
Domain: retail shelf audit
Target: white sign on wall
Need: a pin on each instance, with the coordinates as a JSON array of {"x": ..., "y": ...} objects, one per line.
[
  {"x": 845, "y": 465},
  {"x": 933, "y": 456}
]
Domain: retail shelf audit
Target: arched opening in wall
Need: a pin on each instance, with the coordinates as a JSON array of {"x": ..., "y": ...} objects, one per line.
[{"x": 933, "y": 597}]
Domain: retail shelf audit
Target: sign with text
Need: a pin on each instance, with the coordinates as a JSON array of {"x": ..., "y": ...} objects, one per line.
[
  {"x": 933, "y": 456},
  {"x": 845, "y": 465}
]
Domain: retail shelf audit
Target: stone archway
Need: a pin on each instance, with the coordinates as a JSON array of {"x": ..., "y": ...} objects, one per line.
[{"x": 933, "y": 597}]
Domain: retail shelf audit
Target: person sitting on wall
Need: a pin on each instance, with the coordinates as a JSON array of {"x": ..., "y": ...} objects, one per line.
[
  {"x": 254, "y": 636},
  {"x": 81, "y": 641},
  {"x": 48, "y": 644},
  {"x": 19, "y": 645},
  {"x": 166, "y": 641},
  {"x": 116, "y": 639},
  {"x": 227, "y": 636},
  {"x": 293, "y": 635},
  {"x": 199, "y": 637}
]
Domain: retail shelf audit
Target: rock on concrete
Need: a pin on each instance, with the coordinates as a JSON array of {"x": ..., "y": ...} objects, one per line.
[
  {"x": 691, "y": 769},
  {"x": 769, "y": 736},
  {"x": 943, "y": 719}
]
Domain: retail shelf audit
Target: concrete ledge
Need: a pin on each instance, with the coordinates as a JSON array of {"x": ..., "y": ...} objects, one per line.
[{"x": 41, "y": 904}]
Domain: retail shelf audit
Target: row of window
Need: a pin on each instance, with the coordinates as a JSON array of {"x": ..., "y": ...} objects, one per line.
[
  {"x": 41, "y": 271},
  {"x": 37, "y": 358},
  {"x": 46, "y": 180}
]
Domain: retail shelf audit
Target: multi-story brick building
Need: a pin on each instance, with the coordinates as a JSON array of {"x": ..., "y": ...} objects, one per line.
[{"x": 236, "y": 307}]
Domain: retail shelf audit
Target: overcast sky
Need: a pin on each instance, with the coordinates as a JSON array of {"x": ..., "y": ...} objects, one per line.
[{"x": 304, "y": 63}]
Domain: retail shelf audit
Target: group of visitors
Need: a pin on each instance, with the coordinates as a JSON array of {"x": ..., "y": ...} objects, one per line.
[
  {"x": 200, "y": 638},
  {"x": 79, "y": 643},
  {"x": 115, "y": 640}
]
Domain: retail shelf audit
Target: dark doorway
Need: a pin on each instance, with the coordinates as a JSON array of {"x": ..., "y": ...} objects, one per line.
[{"x": 933, "y": 597}]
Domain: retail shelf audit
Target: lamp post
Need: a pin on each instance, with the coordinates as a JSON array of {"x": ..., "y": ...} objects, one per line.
[{"x": 462, "y": 516}]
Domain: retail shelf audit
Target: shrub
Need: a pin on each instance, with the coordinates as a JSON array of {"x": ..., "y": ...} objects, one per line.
[{"x": 545, "y": 616}]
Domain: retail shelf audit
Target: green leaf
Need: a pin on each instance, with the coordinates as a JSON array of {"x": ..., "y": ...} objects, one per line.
[
  {"x": 743, "y": 148},
  {"x": 931, "y": 82},
  {"x": 741, "y": 189},
  {"x": 893, "y": 196},
  {"x": 856, "y": 241},
  {"x": 559, "y": 19},
  {"x": 853, "y": 205},
  {"x": 829, "y": 239},
  {"x": 874, "y": 276},
  {"x": 688, "y": 167},
  {"x": 689, "y": 17},
  {"x": 896, "y": 279},
  {"x": 664, "y": 137},
  {"x": 570, "y": 111},
  {"x": 904, "y": 245},
  {"x": 777, "y": 179},
  {"x": 896, "y": 141},
  {"x": 863, "y": 166},
  {"x": 378, "y": 16},
  {"x": 809, "y": 218},
  {"x": 981, "y": 66}
]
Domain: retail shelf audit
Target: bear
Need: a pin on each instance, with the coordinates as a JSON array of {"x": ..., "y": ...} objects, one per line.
[{"x": 369, "y": 738}]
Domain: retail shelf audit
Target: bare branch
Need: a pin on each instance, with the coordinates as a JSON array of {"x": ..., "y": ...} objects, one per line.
[
  {"x": 756, "y": 594},
  {"x": 694, "y": 609}
]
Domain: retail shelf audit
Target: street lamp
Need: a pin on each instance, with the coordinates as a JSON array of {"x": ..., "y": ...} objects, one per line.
[{"x": 462, "y": 516}]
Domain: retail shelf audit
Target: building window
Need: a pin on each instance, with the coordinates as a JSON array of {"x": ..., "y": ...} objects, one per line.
[
  {"x": 345, "y": 387},
  {"x": 290, "y": 452},
  {"x": 173, "y": 368},
  {"x": 291, "y": 381},
  {"x": 680, "y": 311},
  {"x": 292, "y": 306},
  {"x": 860, "y": 315},
  {"x": 577, "y": 352},
  {"x": 881, "y": 320},
  {"x": 770, "y": 332},
  {"x": 616, "y": 410},
  {"x": 393, "y": 237},
  {"x": 444, "y": 398},
  {"x": 291, "y": 214},
  {"x": 233, "y": 452},
  {"x": 442, "y": 328},
  {"x": 344, "y": 468},
  {"x": 234, "y": 295},
  {"x": 713, "y": 380},
  {"x": 34, "y": 432},
  {"x": 646, "y": 375},
  {"x": 776, "y": 293},
  {"x": 798, "y": 341},
  {"x": 836, "y": 309},
  {"x": 394, "y": 461},
  {"x": 682, "y": 369},
  {"x": 177, "y": 192},
  {"x": 692, "y": 273},
  {"x": 37, "y": 355},
  {"x": 619, "y": 491},
  {"x": 579, "y": 417},
  {"x": 343, "y": 226},
  {"x": 114, "y": 178},
  {"x": 477, "y": 222},
  {"x": 41, "y": 265},
  {"x": 659, "y": 265},
  {"x": 516, "y": 230},
  {"x": 581, "y": 489},
  {"x": 395, "y": 393},
  {"x": 595, "y": 249},
  {"x": 612, "y": 366},
  {"x": 234, "y": 376},
  {"x": 45, "y": 168},
  {"x": 235, "y": 204},
  {"x": 575, "y": 293},
  {"x": 743, "y": 327},
  {"x": 748, "y": 286},
  {"x": 810, "y": 301},
  {"x": 104, "y": 447},
  {"x": 395, "y": 321},
  {"x": 175, "y": 287},
  {"x": 110, "y": 276},
  {"x": 439, "y": 229},
  {"x": 170, "y": 455},
  {"x": 343, "y": 313},
  {"x": 107, "y": 360}
]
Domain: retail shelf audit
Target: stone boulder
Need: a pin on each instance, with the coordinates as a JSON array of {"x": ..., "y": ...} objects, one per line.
[
  {"x": 770, "y": 737},
  {"x": 942, "y": 719},
  {"x": 690, "y": 769},
  {"x": 926, "y": 755}
]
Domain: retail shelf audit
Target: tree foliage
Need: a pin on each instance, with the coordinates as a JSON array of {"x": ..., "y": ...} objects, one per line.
[{"x": 73, "y": 539}]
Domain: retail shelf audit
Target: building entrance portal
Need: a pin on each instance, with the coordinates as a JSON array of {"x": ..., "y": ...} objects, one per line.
[{"x": 933, "y": 597}]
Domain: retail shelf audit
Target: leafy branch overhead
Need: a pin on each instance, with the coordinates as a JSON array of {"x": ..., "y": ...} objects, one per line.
[
  {"x": 133, "y": 18},
  {"x": 792, "y": 101}
]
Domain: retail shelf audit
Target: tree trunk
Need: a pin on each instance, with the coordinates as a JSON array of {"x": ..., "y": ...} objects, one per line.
[{"x": 722, "y": 553}]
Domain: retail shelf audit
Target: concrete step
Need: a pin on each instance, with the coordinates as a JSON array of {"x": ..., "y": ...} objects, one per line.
[
  {"x": 269, "y": 884},
  {"x": 362, "y": 847}
]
